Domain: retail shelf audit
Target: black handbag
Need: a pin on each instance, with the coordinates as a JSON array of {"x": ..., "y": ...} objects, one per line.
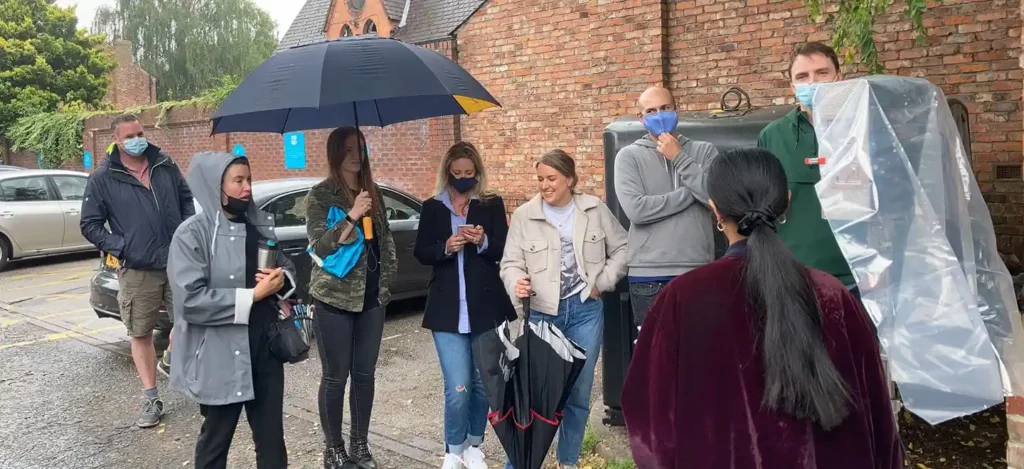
[{"x": 288, "y": 341}]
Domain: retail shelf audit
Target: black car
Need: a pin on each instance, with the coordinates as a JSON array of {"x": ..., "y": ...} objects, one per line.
[{"x": 284, "y": 198}]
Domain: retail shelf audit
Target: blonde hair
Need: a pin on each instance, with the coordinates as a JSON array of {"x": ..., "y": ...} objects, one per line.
[{"x": 457, "y": 152}]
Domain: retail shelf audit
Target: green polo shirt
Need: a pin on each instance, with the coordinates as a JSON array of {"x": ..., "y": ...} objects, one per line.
[{"x": 806, "y": 231}]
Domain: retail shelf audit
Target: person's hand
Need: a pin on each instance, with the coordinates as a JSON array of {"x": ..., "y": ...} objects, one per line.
[
  {"x": 455, "y": 243},
  {"x": 264, "y": 273},
  {"x": 271, "y": 282},
  {"x": 523, "y": 288},
  {"x": 668, "y": 146},
  {"x": 474, "y": 235},
  {"x": 361, "y": 206},
  {"x": 595, "y": 293}
]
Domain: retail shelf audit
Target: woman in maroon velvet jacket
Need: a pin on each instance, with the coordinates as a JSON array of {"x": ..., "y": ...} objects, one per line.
[{"x": 755, "y": 361}]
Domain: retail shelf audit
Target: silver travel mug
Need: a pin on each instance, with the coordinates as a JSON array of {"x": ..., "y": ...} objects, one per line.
[{"x": 266, "y": 254}]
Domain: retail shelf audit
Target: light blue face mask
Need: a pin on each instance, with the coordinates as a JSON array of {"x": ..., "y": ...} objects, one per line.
[
  {"x": 135, "y": 146},
  {"x": 805, "y": 93}
]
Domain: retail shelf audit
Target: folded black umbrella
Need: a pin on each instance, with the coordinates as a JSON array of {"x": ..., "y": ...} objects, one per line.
[{"x": 528, "y": 383}]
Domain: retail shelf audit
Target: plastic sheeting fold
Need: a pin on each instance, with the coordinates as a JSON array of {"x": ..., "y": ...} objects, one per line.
[{"x": 902, "y": 200}]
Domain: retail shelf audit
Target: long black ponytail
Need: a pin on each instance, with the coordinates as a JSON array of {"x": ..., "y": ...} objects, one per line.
[{"x": 749, "y": 187}]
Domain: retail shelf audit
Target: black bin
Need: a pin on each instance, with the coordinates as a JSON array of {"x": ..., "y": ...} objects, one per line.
[{"x": 727, "y": 130}]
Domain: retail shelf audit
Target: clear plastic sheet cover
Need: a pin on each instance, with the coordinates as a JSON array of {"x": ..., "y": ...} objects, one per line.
[{"x": 902, "y": 200}]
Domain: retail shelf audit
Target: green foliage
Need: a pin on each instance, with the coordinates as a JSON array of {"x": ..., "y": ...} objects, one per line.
[
  {"x": 58, "y": 135},
  {"x": 590, "y": 441},
  {"x": 620, "y": 464},
  {"x": 188, "y": 45},
  {"x": 45, "y": 61},
  {"x": 854, "y": 25}
]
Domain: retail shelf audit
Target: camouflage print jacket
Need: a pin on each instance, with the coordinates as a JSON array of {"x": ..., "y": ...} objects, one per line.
[{"x": 345, "y": 293}]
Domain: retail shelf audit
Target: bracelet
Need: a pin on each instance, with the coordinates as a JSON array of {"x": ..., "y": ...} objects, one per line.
[{"x": 350, "y": 220}]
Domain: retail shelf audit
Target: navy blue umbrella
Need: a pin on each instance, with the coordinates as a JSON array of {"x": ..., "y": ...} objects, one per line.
[{"x": 364, "y": 80}]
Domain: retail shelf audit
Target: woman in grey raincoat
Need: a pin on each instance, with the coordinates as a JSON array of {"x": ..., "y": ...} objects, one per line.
[{"x": 223, "y": 307}]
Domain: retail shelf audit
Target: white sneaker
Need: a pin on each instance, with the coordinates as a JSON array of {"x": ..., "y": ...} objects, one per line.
[
  {"x": 452, "y": 461},
  {"x": 473, "y": 458}
]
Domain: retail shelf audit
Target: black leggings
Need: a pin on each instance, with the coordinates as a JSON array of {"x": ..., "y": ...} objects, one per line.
[{"x": 349, "y": 343}]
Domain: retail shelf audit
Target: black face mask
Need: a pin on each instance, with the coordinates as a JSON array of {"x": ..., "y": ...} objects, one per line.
[
  {"x": 464, "y": 185},
  {"x": 236, "y": 207}
]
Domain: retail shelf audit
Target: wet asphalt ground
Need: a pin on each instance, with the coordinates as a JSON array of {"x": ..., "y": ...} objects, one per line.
[{"x": 69, "y": 394}]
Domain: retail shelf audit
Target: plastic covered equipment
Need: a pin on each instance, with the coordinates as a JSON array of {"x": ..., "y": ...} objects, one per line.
[{"x": 899, "y": 193}]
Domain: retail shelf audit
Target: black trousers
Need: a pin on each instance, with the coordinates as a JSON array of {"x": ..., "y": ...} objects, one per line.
[
  {"x": 265, "y": 412},
  {"x": 349, "y": 344}
]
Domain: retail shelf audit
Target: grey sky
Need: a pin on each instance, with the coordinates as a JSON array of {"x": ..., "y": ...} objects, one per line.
[{"x": 283, "y": 11}]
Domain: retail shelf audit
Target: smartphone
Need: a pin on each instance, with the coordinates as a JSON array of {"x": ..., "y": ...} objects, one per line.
[{"x": 464, "y": 228}]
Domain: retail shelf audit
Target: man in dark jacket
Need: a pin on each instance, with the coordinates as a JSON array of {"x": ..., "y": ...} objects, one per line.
[{"x": 141, "y": 195}]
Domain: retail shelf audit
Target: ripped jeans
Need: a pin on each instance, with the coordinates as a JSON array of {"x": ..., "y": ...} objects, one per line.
[{"x": 465, "y": 402}]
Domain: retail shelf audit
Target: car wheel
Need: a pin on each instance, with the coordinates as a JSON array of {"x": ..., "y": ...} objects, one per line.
[{"x": 5, "y": 252}]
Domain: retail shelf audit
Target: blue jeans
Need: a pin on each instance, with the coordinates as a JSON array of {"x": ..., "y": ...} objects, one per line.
[
  {"x": 465, "y": 401},
  {"x": 583, "y": 323}
]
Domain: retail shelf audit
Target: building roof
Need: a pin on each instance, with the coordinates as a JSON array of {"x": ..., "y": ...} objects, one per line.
[
  {"x": 308, "y": 26},
  {"x": 429, "y": 20},
  {"x": 395, "y": 8}
]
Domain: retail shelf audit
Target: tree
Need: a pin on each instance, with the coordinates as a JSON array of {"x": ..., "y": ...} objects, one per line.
[
  {"x": 854, "y": 27},
  {"x": 45, "y": 61},
  {"x": 189, "y": 45}
]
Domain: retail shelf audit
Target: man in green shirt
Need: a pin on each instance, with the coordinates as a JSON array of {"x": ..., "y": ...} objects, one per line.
[{"x": 806, "y": 230}]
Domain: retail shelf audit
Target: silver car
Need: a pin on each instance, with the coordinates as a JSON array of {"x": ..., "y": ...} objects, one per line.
[{"x": 39, "y": 213}]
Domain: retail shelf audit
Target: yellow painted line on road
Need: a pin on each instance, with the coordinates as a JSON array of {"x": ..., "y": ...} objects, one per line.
[
  {"x": 66, "y": 313},
  {"x": 49, "y": 284},
  {"x": 49, "y": 273},
  {"x": 60, "y": 336}
]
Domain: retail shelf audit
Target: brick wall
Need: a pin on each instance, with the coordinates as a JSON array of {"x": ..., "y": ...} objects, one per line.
[
  {"x": 562, "y": 70},
  {"x": 130, "y": 85},
  {"x": 404, "y": 156},
  {"x": 565, "y": 69}
]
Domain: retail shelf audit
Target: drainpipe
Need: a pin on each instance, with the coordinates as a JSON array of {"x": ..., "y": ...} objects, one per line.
[{"x": 457, "y": 119}]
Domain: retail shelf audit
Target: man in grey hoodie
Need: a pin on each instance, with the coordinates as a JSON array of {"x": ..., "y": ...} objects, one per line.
[{"x": 660, "y": 184}]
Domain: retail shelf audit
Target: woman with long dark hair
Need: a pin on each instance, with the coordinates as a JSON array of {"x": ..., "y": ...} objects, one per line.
[
  {"x": 756, "y": 360},
  {"x": 349, "y": 305}
]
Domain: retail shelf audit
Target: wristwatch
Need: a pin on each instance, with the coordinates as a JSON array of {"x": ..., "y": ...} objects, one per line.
[{"x": 350, "y": 220}]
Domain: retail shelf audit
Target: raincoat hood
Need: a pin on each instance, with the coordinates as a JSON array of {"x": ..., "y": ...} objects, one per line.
[{"x": 205, "y": 178}]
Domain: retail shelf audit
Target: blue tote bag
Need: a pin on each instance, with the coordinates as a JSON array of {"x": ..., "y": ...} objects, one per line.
[{"x": 341, "y": 262}]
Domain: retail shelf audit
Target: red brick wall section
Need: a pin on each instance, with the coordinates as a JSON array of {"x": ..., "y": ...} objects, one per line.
[
  {"x": 130, "y": 85},
  {"x": 562, "y": 70},
  {"x": 972, "y": 52},
  {"x": 404, "y": 155},
  {"x": 565, "y": 69}
]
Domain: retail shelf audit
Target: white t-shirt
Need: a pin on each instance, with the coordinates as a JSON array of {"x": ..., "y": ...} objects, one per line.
[{"x": 562, "y": 218}]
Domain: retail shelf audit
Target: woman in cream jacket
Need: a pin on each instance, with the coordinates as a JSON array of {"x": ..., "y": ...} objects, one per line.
[{"x": 563, "y": 249}]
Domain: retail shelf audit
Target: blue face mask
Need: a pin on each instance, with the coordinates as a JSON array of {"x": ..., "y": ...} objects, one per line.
[
  {"x": 135, "y": 146},
  {"x": 661, "y": 122},
  {"x": 464, "y": 185},
  {"x": 805, "y": 93}
]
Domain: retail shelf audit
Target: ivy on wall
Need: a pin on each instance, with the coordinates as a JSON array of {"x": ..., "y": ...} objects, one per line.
[
  {"x": 853, "y": 23},
  {"x": 58, "y": 135}
]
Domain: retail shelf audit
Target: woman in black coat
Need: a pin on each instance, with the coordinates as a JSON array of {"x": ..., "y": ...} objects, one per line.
[{"x": 462, "y": 235}]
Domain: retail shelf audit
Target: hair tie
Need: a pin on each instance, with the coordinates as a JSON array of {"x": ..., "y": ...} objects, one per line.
[{"x": 754, "y": 218}]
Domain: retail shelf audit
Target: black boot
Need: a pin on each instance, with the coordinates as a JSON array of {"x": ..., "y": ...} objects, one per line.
[
  {"x": 335, "y": 457},
  {"x": 361, "y": 454}
]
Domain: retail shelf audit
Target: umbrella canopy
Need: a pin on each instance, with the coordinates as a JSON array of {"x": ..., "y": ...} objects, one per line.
[
  {"x": 364, "y": 80},
  {"x": 527, "y": 385}
]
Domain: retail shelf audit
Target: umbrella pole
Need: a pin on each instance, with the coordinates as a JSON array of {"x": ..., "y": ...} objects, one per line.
[{"x": 526, "y": 354}]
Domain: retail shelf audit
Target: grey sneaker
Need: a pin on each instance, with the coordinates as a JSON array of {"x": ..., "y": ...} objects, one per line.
[
  {"x": 164, "y": 364},
  {"x": 152, "y": 410}
]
